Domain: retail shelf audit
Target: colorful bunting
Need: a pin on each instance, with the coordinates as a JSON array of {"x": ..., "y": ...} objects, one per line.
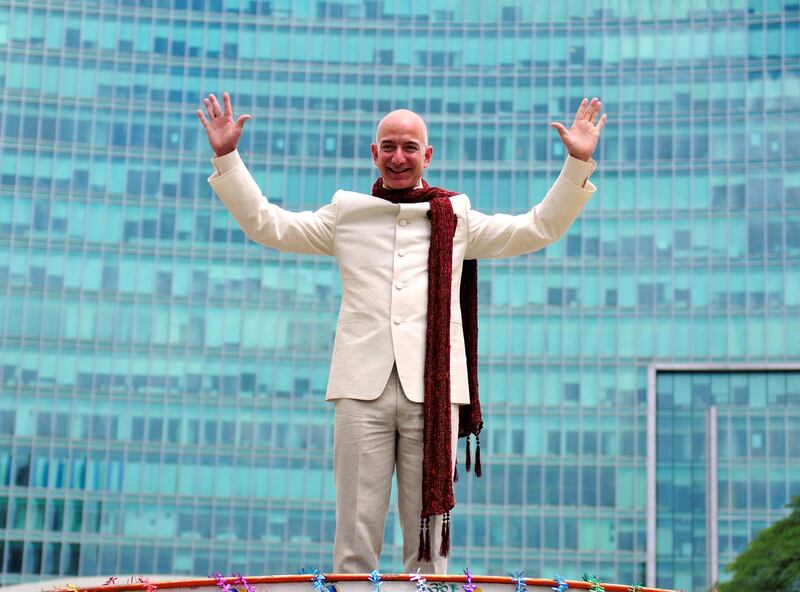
[
  {"x": 592, "y": 579},
  {"x": 469, "y": 586},
  {"x": 561, "y": 584},
  {"x": 519, "y": 580}
]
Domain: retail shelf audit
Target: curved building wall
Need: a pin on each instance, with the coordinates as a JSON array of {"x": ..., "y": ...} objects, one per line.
[{"x": 162, "y": 380}]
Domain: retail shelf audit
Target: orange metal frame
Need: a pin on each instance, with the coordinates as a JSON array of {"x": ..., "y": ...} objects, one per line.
[{"x": 333, "y": 578}]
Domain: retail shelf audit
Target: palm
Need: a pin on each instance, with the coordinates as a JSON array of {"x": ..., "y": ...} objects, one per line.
[
  {"x": 580, "y": 140},
  {"x": 222, "y": 131}
]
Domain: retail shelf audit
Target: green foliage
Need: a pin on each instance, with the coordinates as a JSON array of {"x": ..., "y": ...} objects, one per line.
[{"x": 772, "y": 561}]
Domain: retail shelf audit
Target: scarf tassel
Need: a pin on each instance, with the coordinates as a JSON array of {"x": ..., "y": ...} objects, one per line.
[
  {"x": 478, "y": 471},
  {"x": 421, "y": 550},
  {"x": 424, "y": 551},
  {"x": 444, "y": 548},
  {"x": 468, "y": 460},
  {"x": 427, "y": 556}
]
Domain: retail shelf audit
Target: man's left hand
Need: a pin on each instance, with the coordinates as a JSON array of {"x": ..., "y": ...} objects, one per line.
[{"x": 580, "y": 140}]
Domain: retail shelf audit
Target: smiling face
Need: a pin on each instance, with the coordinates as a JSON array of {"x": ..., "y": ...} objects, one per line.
[{"x": 401, "y": 150}]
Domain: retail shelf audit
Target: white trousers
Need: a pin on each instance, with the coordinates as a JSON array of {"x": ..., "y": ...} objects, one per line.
[{"x": 371, "y": 439}]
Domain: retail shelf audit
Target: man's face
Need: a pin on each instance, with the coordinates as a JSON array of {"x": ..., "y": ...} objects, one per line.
[{"x": 401, "y": 152}]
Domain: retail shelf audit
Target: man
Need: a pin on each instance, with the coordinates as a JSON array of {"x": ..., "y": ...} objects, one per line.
[{"x": 404, "y": 364}]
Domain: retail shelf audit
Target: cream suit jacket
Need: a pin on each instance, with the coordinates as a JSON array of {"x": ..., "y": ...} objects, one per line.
[{"x": 382, "y": 251}]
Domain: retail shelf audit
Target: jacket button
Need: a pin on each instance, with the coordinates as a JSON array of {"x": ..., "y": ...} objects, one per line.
[
  {"x": 398, "y": 320},
  {"x": 400, "y": 285},
  {"x": 403, "y": 222},
  {"x": 401, "y": 253}
]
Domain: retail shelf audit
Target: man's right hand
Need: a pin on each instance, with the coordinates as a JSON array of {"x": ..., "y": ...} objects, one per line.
[{"x": 223, "y": 132}]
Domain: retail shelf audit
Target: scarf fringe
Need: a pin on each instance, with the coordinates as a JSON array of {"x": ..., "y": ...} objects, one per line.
[
  {"x": 421, "y": 550},
  {"x": 468, "y": 460},
  {"x": 444, "y": 548},
  {"x": 478, "y": 471},
  {"x": 424, "y": 551}
]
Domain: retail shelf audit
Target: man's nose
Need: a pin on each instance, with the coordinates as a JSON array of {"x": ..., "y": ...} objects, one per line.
[{"x": 397, "y": 156}]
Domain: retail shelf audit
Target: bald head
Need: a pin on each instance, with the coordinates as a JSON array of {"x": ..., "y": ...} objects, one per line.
[
  {"x": 406, "y": 119},
  {"x": 401, "y": 150}
]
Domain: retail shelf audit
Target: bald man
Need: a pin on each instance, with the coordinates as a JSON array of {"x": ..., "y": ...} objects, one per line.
[{"x": 400, "y": 367}]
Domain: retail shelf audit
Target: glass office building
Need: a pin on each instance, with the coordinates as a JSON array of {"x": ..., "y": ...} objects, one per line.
[{"x": 162, "y": 380}]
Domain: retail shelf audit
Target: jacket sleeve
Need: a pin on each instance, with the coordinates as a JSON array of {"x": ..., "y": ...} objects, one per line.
[
  {"x": 266, "y": 223},
  {"x": 504, "y": 235}
]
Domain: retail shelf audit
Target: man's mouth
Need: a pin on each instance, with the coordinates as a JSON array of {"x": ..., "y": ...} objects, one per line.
[{"x": 398, "y": 171}]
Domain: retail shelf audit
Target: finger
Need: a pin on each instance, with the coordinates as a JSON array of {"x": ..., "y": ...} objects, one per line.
[
  {"x": 562, "y": 131},
  {"x": 579, "y": 114},
  {"x": 226, "y": 99},
  {"x": 602, "y": 123},
  {"x": 597, "y": 107},
  {"x": 209, "y": 109},
  {"x": 591, "y": 112},
  {"x": 587, "y": 111},
  {"x": 215, "y": 104},
  {"x": 202, "y": 118},
  {"x": 242, "y": 119}
]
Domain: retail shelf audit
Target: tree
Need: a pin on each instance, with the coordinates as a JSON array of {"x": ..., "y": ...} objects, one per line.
[{"x": 772, "y": 561}]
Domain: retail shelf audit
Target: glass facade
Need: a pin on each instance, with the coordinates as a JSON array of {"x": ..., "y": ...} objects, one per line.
[
  {"x": 727, "y": 461},
  {"x": 162, "y": 380}
]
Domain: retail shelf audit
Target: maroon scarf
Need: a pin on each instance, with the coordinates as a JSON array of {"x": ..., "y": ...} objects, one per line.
[{"x": 437, "y": 473}]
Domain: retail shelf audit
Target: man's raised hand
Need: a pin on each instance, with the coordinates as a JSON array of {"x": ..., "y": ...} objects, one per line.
[
  {"x": 580, "y": 140},
  {"x": 222, "y": 131}
]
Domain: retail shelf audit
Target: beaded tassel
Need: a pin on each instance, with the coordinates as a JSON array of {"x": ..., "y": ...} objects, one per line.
[
  {"x": 478, "y": 471},
  {"x": 444, "y": 549}
]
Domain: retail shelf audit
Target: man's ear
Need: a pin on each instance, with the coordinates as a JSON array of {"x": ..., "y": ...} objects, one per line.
[
  {"x": 428, "y": 156},
  {"x": 374, "y": 148}
]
